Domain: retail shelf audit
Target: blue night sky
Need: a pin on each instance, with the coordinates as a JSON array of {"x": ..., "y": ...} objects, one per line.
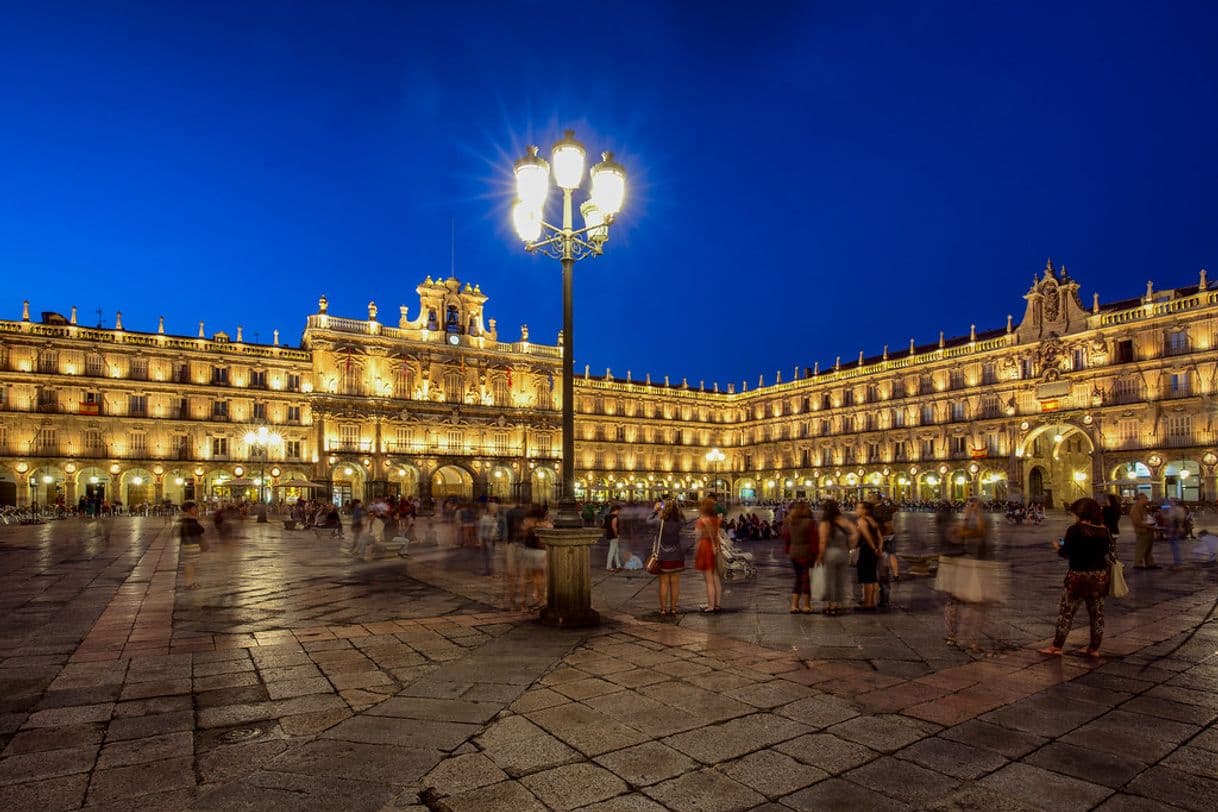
[{"x": 807, "y": 179}]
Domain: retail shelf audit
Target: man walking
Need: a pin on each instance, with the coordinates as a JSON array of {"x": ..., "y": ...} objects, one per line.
[
  {"x": 613, "y": 563},
  {"x": 1144, "y": 534}
]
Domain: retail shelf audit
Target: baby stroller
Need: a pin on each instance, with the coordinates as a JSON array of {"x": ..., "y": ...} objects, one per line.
[{"x": 737, "y": 563}]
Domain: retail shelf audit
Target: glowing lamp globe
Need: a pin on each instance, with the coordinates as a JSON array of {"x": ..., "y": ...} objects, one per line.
[
  {"x": 608, "y": 185},
  {"x": 567, "y": 159},
  {"x": 594, "y": 219},
  {"x": 532, "y": 179},
  {"x": 527, "y": 221}
]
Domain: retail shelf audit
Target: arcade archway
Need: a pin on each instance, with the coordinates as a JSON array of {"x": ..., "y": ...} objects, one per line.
[
  {"x": 451, "y": 480},
  {"x": 1057, "y": 464}
]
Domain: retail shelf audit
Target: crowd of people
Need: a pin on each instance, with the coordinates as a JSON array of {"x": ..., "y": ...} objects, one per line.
[{"x": 825, "y": 542}]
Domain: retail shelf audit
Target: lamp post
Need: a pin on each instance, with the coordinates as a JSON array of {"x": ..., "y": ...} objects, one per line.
[
  {"x": 262, "y": 439},
  {"x": 567, "y": 244},
  {"x": 715, "y": 457}
]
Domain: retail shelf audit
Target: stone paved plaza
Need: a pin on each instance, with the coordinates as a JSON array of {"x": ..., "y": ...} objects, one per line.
[{"x": 294, "y": 677}]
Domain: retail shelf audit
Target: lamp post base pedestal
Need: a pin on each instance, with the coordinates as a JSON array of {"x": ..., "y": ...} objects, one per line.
[{"x": 569, "y": 578}]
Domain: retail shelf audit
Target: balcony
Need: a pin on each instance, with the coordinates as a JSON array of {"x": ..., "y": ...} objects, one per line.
[
  {"x": 1123, "y": 396},
  {"x": 47, "y": 407}
]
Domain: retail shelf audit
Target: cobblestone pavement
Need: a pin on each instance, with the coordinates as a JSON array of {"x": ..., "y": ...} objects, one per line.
[{"x": 295, "y": 677}]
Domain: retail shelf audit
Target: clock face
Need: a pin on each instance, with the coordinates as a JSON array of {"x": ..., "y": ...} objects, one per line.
[{"x": 452, "y": 339}]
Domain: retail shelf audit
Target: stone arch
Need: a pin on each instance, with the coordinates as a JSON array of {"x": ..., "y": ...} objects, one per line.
[
  {"x": 1066, "y": 454},
  {"x": 545, "y": 484},
  {"x": 137, "y": 488},
  {"x": 46, "y": 484},
  {"x": 452, "y": 480},
  {"x": 407, "y": 477},
  {"x": 348, "y": 479},
  {"x": 501, "y": 482}
]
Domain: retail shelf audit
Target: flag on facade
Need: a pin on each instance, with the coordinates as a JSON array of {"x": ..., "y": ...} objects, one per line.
[{"x": 509, "y": 377}]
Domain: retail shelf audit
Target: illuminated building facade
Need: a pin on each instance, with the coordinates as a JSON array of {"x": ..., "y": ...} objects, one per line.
[{"x": 1072, "y": 400}]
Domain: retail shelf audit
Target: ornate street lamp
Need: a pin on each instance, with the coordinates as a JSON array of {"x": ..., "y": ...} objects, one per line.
[
  {"x": 714, "y": 457},
  {"x": 567, "y": 244},
  {"x": 263, "y": 439}
]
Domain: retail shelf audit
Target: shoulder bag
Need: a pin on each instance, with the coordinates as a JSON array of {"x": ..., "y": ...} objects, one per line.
[{"x": 653, "y": 561}]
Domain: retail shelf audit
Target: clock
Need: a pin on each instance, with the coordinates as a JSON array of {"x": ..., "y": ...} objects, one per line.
[{"x": 453, "y": 339}]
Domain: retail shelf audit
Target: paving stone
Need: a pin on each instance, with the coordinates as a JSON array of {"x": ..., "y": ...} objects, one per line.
[
  {"x": 142, "y": 690},
  {"x": 300, "y": 793},
  {"x": 440, "y": 710},
  {"x": 506, "y": 796},
  {"x": 235, "y": 761},
  {"x": 630, "y": 802},
  {"x": 819, "y": 711},
  {"x": 767, "y": 695},
  {"x": 952, "y": 758},
  {"x": 1044, "y": 789},
  {"x": 55, "y": 738},
  {"x": 573, "y": 785},
  {"x": 381, "y": 763},
  {"x": 838, "y": 794},
  {"x": 64, "y": 717},
  {"x": 519, "y": 747},
  {"x": 827, "y": 752},
  {"x": 974, "y": 797},
  {"x": 44, "y": 764},
  {"x": 586, "y": 730},
  {"x": 459, "y": 774},
  {"x": 309, "y": 724},
  {"x": 1001, "y": 740},
  {"x": 1087, "y": 764},
  {"x": 1175, "y": 787},
  {"x": 142, "y": 751},
  {"x": 240, "y": 679},
  {"x": 140, "y": 727},
  {"x": 537, "y": 699},
  {"x": 301, "y": 687},
  {"x": 1166, "y": 709},
  {"x": 772, "y": 773},
  {"x": 1132, "y": 735},
  {"x": 736, "y": 737},
  {"x": 47, "y": 795},
  {"x": 248, "y": 695},
  {"x": 902, "y": 780},
  {"x": 405, "y": 733},
  {"x": 705, "y": 791},
  {"x": 152, "y": 706},
  {"x": 141, "y": 779},
  {"x": 884, "y": 733},
  {"x": 646, "y": 763},
  {"x": 1195, "y": 760}
]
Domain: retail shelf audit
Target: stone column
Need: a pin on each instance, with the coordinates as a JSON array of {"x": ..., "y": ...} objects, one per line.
[{"x": 569, "y": 577}]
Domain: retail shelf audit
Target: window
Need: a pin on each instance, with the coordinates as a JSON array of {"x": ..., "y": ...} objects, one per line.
[
  {"x": 1177, "y": 385},
  {"x": 1179, "y": 429},
  {"x": 93, "y": 440},
  {"x": 955, "y": 379},
  {"x": 137, "y": 405},
  {"x": 181, "y": 373},
  {"x": 453, "y": 439},
  {"x": 138, "y": 442},
  {"x": 219, "y": 376},
  {"x": 898, "y": 418},
  {"x": 454, "y": 387},
  {"x": 1176, "y": 344},
  {"x": 925, "y": 385},
  {"x": 1078, "y": 359},
  {"x": 260, "y": 411},
  {"x": 501, "y": 392},
  {"x": 182, "y": 444},
  {"x": 219, "y": 447},
  {"x": 1129, "y": 432},
  {"x": 348, "y": 436},
  {"x": 404, "y": 437},
  {"x": 545, "y": 396},
  {"x": 848, "y": 397},
  {"x": 95, "y": 365},
  {"x": 621, "y": 434},
  {"x": 900, "y": 451},
  {"x": 544, "y": 444},
  {"x": 293, "y": 382},
  {"x": 1124, "y": 351},
  {"x": 499, "y": 442},
  {"x": 847, "y": 424},
  {"x": 48, "y": 361},
  {"x": 139, "y": 369},
  {"x": 805, "y": 458},
  {"x": 404, "y": 383},
  {"x": 988, "y": 374},
  {"x": 293, "y": 414},
  {"x": 291, "y": 449},
  {"x": 1025, "y": 368},
  {"x": 258, "y": 379},
  {"x": 928, "y": 414},
  {"x": 993, "y": 446},
  {"x": 873, "y": 452},
  {"x": 958, "y": 446},
  {"x": 958, "y": 411},
  {"x": 219, "y": 410},
  {"x": 48, "y": 441},
  {"x": 989, "y": 406},
  {"x": 1127, "y": 390},
  {"x": 928, "y": 449}
]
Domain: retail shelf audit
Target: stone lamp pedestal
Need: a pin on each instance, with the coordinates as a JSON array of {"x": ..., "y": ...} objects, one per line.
[{"x": 569, "y": 577}]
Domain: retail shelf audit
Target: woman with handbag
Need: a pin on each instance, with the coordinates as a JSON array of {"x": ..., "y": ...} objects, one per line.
[
  {"x": 667, "y": 557},
  {"x": 1089, "y": 548},
  {"x": 707, "y": 556},
  {"x": 834, "y": 555},
  {"x": 868, "y": 542}
]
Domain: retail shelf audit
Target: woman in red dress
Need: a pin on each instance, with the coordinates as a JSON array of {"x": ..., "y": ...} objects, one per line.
[{"x": 707, "y": 553}]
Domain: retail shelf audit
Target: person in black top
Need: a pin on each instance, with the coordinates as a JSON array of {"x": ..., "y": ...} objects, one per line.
[
  {"x": 613, "y": 563},
  {"x": 1089, "y": 548}
]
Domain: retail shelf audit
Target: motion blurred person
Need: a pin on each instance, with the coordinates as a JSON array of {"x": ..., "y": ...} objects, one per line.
[
  {"x": 613, "y": 561},
  {"x": 671, "y": 555},
  {"x": 834, "y": 533},
  {"x": 802, "y": 546},
  {"x": 707, "y": 552},
  {"x": 490, "y": 533},
  {"x": 1143, "y": 533},
  {"x": 190, "y": 536}
]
